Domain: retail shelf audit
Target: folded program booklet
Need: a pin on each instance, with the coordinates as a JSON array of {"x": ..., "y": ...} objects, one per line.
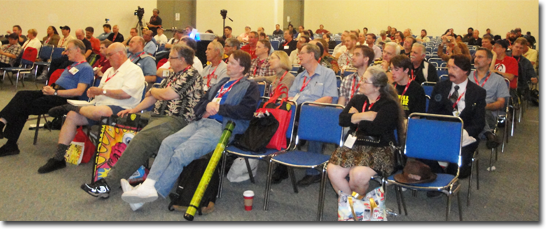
[{"x": 79, "y": 102}]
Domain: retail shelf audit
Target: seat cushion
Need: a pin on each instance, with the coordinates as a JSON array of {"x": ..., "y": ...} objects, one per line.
[{"x": 301, "y": 158}]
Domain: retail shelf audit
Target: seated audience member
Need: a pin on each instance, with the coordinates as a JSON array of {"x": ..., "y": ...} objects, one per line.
[
  {"x": 243, "y": 38},
  {"x": 506, "y": 66},
  {"x": 19, "y": 32},
  {"x": 260, "y": 65},
  {"x": 263, "y": 36},
  {"x": 532, "y": 55},
  {"x": 361, "y": 39},
  {"x": 79, "y": 34},
  {"x": 292, "y": 30},
  {"x": 115, "y": 36},
  {"x": 138, "y": 56},
  {"x": 231, "y": 45},
  {"x": 399, "y": 38},
  {"x": 344, "y": 61},
  {"x": 475, "y": 40},
  {"x": 32, "y": 41},
  {"x": 102, "y": 63},
  {"x": 280, "y": 64},
  {"x": 66, "y": 32},
  {"x": 459, "y": 39},
  {"x": 340, "y": 48},
  {"x": 327, "y": 60},
  {"x": 294, "y": 54},
  {"x": 370, "y": 43},
  {"x": 380, "y": 116},
  {"x": 453, "y": 48},
  {"x": 173, "y": 104},
  {"x": 217, "y": 69},
  {"x": 133, "y": 33},
  {"x": 160, "y": 37},
  {"x": 390, "y": 50},
  {"x": 289, "y": 44},
  {"x": 488, "y": 32},
  {"x": 496, "y": 92},
  {"x": 362, "y": 57},
  {"x": 446, "y": 100},
  {"x": 422, "y": 69},
  {"x": 227, "y": 33},
  {"x": 315, "y": 83},
  {"x": 121, "y": 89},
  {"x": 63, "y": 62},
  {"x": 197, "y": 64},
  {"x": 93, "y": 41},
  {"x": 383, "y": 38},
  {"x": 232, "y": 99},
  {"x": 407, "y": 32},
  {"x": 526, "y": 72},
  {"x": 469, "y": 35},
  {"x": 423, "y": 38},
  {"x": 411, "y": 95},
  {"x": 321, "y": 30},
  {"x": 260, "y": 30},
  {"x": 150, "y": 45},
  {"x": 407, "y": 46},
  {"x": 71, "y": 85},
  {"x": 52, "y": 37},
  {"x": 278, "y": 30},
  {"x": 250, "y": 48},
  {"x": 178, "y": 35},
  {"x": 330, "y": 42},
  {"x": 106, "y": 32},
  {"x": 10, "y": 52},
  {"x": 300, "y": 32}
]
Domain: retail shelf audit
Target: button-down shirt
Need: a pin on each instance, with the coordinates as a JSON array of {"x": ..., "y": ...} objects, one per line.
[
  {"x": 322, "y": 83},
  {"x": 260, "y": 68},
  {"x": 12, "y": 49},
  {"x": 347, "y": 86}
]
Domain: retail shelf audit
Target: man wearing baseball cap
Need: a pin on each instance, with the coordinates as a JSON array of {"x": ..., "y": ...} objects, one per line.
[
  {"x": 506, "y": 65},
  {"x": 66, "y": 32}
]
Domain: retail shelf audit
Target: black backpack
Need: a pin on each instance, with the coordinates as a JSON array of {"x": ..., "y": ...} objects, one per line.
[{"x": 189, "y": 180}]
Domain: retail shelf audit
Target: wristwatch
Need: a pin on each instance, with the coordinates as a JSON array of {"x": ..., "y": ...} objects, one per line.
[
  {"x": 104, "y": 91},
  {"x": 55, "y": 93}
]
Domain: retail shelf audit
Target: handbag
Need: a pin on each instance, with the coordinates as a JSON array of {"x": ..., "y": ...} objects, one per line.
[
  {"x": 282, "y": 113},
  {"x": 372, "y": 207},
  {"x": 238, "y": 171},
  {"x": 81, "y": 149},
  {"x": 258, "y": 134}
]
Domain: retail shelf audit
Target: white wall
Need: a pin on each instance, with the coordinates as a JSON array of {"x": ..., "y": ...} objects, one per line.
[
  {"x": 435, "y": 16},
  {"x": 255, "y": 13},
  {"x": 39, "y": 14}
]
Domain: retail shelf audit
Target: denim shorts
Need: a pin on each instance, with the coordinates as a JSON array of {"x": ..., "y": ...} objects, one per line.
[{"x": 115, "y": 109}]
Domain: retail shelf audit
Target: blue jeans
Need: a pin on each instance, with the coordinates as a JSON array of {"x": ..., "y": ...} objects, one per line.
[
  {"x": 315, "y": 147},
  {"x": 181, "y": 148}
]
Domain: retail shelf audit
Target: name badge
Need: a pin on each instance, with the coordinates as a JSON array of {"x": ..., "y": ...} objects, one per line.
[
  {"x": 205, "y": 88},
  {"x": 350, "y": 141},
  {"x": 286, "y": 47},
  {"x": 165, "y": 73},
  {"x": 73, "y": 70},
  {"x": 455, "y": 113},
  {"x": 217, "y": 100}
]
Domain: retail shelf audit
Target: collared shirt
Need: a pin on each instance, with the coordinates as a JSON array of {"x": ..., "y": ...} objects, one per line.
[
  {"x": 145, "y": 62},
  {"x": 377, "y": 51},
  {"x": 189, "y": 87},
  {"x": 461, "y": 90},
  {"x": 161, "y": 39},
  {"x": 150, "y": 48},
  {"x": 63, "y": 41},
  {"x": 103, "y": 36},
  {"x": 322, "y": 83},
  {"x": 220, "y": 72},
  {"x": 12, "y": 49},
  {"x": 260, "y": 68},
  {"x": 34, "y": 43},
  {"x": 495, "y": 86},
  {"x": 347, "y": 86},
  {"x": 344, "y": 61},
  {"x": 128, "y": 78}
]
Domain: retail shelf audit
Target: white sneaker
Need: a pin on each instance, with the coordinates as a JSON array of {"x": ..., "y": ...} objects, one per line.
[
  {"x": 126, "y": 187},
  {"x": 140, "y": 195}
]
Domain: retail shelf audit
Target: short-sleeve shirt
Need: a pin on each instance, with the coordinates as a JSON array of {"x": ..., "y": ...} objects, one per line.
[
  {"x": 64, "y": 41},
  {"x": 509, "y": 65},
  {"x": 211, "y": 75},
  {"x": 157, "y": 22},
  {"x": 84, "y": 75},
  {"x": 87, "y": 44},
  {"x": 119, "y": 37},
  {"x": 414, "y": 99},
  {"x": 495, "y": 87},
  {"x": 349, "y": 84},
  {"x": 12, "y": 49},
  {"x": 189, "y": 86},
  {"x": 150, "y": 48},
  {"x": 128, "y": 78},
  {"x": 260, "y": 68},
  {"x": 145, "y": 62},
  {"x": 344, "y": 61},
  {"x": 322, "y": 83},
  {"x": 290, "y": 46},
  {"x": 95, "y": 44}
]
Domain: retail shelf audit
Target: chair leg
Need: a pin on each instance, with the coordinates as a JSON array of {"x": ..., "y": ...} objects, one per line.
[
  {"x": 513, "y": 122},
  {"x": 477, "y": 173},
  {"x": 36, "y": 130},
  {"x": 222, "y": 174},
  {"x": 322, "y": 195},
  {"x": 268, "y": 184},
  {"x": 459, "y": 205},
  {"x": 448, "y": 209},
  {"x": 249, "y": 170},
  {"x": 293, "y": 179},
  {"x": 403, "y": 201}
]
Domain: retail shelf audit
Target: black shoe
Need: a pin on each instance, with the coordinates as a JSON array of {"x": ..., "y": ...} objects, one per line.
[
  {"x": 8, "y": 150},
  {"x": 280, "y": 173},
  {"x": 309, "y": 179},
  {"x": 434, "y": 194},
  {"x": 52, "y": 165},
  {"x": 491, "y": 140},
  {"x": 62, "y": 110},
  {"x": 97, "y": 189}
]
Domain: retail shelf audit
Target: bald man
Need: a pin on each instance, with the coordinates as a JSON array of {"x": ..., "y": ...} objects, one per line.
[{"x": 121, "y": 89}]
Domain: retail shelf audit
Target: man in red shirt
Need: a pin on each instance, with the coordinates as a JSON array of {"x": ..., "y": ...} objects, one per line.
[
  {"x": 94, "y": 41},
  {"x": 506, "y": 65},
  {"x": 251, "y": 46},
  {"x": 321, "y": 30}
]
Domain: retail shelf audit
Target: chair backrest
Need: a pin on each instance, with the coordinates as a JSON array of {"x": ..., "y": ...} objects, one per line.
[
  {"x": 427, "y": 102},
  {"x": 57, "y": 52},
  {"x": 443, "y": 77},
  {"x": 319, "y": 122},
  {"x": 338, "y": 81},
  {"x": 29, "y": 56},
  {"x": 434, "y": 137},
  {"x": 441, "y": 71},
  {"x": 428, "y": 87},
  {"x": 45, "y": 52},
  {"x": 261, "y": 88},
  {"x": 275, "y": 44},
  {"x": 295, "y": 68}
]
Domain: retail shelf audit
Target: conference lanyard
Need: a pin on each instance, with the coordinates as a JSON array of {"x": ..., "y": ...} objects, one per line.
[
  {"x": 304, "y": 84},
  {"x": 406, "y": 88},
  {"x": 259, "y": 65},
  {"x": 354, "y": 87},
  {"x": 457, "y": 100},
  {"x": 175, "y": 78},
  {"x": 211, "y": 75},
  {"x": 114, "y": 36},
  {"x": 221, "y": 93},
  {"x": 486, "y": 78},
  {"x": 74, "y": 65},
  {"x": 370, "y": 106},
  {"x": 132, "y": 60}
]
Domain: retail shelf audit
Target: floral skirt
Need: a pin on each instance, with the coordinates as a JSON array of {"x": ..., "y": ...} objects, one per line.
[{"x": 380, "y": 159}]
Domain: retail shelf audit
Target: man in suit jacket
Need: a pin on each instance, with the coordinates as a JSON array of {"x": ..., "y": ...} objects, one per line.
[{"x": 470, "y": 106}]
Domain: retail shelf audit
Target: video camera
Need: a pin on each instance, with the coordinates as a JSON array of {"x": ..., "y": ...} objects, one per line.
[{"x": 139, "y": 12}]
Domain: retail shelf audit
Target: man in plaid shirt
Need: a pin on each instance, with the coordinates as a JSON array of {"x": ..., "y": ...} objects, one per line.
[
  {"x": 260, "y": 65},
  {"x": 9, "y": 52},
  {"x": 361, "y": 58}
]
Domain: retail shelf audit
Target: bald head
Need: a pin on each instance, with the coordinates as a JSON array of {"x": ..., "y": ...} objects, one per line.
[
  {"x": 116, "y": 53},
  {"x": 136, "y": 44},
  {"x": 79, "y": 33}
]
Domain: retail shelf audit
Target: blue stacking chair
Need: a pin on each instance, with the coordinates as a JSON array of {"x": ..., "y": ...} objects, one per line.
[
  {"x": 57, "y": 52},
  {"x": 311, "y": 116},
  {"x": 262, "y": 87},
  {"x": 421, "y": 133},
  {"x": 275, "y": 44},
  {"x": 45, "y": 55},
  {"x": 232, "y": 150},
  {"x": 441, "y": 72},
  {"x": 443, "y": 77},
  {"x": 428, "y": 87}
]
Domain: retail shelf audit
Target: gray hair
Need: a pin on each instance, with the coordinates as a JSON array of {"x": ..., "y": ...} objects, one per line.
[
  {"x": 420, "y": 45},
  {"x": 313, "y": 48},
  {"x": 233, "y": 42},
  {"x": 184, "y": 52},
  {"x": 78, "y": 44},
  {"x": 218, "y": 46},
  {"x": 394, "y": 45}
]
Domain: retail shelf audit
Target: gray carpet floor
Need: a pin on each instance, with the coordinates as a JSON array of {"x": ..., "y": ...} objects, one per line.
[{"x": 511, "y": 193}]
